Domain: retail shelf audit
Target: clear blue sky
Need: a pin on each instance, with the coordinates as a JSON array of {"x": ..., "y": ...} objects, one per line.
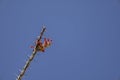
[{"x": 85, "y": 34}]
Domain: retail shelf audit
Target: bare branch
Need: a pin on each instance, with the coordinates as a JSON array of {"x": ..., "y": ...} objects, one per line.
[{"x": 30, "y": 58}]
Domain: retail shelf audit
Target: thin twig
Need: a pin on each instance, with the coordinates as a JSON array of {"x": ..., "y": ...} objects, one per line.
[{"x": 30, "y": 58}]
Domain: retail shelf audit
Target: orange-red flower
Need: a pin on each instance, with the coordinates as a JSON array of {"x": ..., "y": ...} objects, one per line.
[
  {"x": 47, "y": 42},
  {"x": 42, "y": 46}
]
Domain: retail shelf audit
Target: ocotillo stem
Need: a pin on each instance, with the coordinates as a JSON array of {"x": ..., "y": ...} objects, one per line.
[{"x": 30, "y": 58}]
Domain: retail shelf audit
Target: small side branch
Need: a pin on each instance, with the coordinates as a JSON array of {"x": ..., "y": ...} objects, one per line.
[{"x": 30, "y": 58}]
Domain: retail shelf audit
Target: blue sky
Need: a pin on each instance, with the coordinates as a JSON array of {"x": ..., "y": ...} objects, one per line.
[{"x": 85, "y": 34}]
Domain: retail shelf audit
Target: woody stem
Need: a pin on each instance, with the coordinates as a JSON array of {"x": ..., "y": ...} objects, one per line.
[{"x": 30, "y": 58}]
